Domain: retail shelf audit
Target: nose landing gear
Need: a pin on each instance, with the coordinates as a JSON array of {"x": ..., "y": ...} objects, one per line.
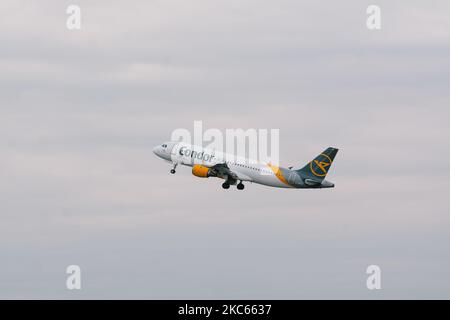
[{"x": 172, "y": 171}]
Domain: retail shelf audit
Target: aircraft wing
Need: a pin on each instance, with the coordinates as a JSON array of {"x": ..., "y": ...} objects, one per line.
[{"x": 224, "y": 171}]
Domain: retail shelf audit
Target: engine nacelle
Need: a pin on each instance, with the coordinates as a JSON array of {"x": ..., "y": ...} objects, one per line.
[{"x": 201, "y": 171}]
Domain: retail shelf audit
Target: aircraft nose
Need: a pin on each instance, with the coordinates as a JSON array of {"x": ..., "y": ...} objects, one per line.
[{"x": 156, "y": 150}]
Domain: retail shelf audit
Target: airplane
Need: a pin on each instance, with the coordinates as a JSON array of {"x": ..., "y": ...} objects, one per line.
[{"x": 235, "y": 170}]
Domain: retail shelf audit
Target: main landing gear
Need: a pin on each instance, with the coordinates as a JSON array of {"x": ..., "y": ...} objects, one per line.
[{"x": 226, "y": 185}]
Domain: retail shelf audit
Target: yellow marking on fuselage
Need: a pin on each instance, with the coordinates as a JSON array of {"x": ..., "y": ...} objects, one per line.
[{"x": 276, "y": 170}]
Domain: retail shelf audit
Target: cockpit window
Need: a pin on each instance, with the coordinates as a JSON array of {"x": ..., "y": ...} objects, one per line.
[{"x": 164, "y": 145}]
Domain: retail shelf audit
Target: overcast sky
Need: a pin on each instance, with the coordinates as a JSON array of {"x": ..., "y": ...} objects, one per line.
[{"x": 81, "y": 110}]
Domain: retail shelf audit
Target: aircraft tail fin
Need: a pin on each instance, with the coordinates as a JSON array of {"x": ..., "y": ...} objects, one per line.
[{"x": 318, "y": 168}]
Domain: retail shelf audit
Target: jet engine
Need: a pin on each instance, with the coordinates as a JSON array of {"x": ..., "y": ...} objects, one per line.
[{"x": 202, "y": 171}]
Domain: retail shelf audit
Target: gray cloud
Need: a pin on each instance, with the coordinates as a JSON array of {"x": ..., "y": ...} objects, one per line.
[{"x": 80, "y": 112}]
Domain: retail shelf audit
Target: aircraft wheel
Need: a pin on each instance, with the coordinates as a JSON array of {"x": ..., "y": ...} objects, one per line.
[
  {"x": 225, "y": 185},
  {"x": 240, "y": 186},
  {"x": 172, "y": 171}
]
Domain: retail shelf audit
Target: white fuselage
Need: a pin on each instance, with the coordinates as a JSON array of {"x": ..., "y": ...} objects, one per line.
[{"x": 246, "y": 169}]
